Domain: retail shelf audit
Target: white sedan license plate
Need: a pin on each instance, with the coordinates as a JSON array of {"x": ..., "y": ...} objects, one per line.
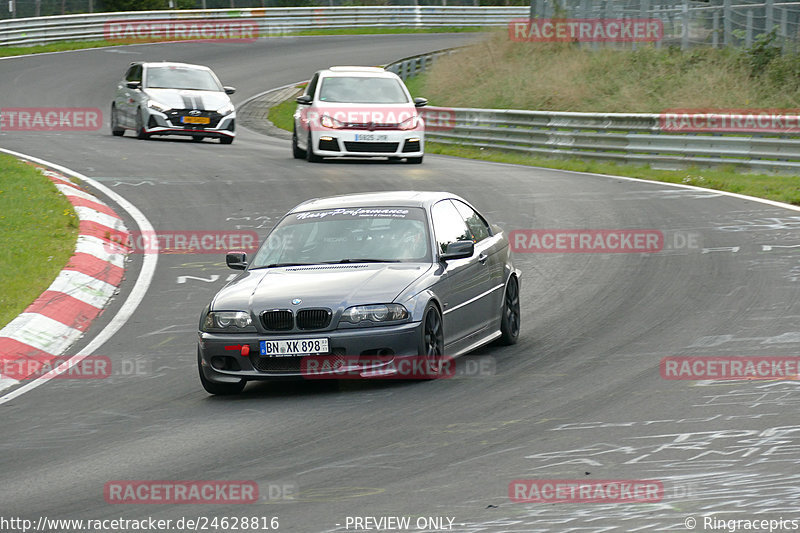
[
  {"x": 371, "y": 137},
  {"x": 294, "y": 347}
]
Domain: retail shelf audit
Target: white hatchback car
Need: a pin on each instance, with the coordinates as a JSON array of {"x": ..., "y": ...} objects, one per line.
[
  {"x": 358, "y": 112},
  {"x": 173, "y": 99}
]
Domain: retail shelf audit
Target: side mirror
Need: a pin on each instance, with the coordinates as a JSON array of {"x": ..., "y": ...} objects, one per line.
[
  {"x": 236, "y": 260},
  {"x": 303, "y": 99},
  {"x": 133, "y": 85},
  {"x": 229, "y": 90},
  {"x": 420, "y": 102},
  {"x": 458, "y": 250}
]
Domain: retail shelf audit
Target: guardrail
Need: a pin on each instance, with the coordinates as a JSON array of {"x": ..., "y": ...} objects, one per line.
[
  {"x": 621, "y": 137},
  {"x": 685, "y": 22},
  {"x": 270, "y": 21}
]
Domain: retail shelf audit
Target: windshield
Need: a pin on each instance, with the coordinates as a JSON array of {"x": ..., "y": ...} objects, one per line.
[
  {"x": 362, "y": 90},
  {"x": 181, "y": 78},
  {"x": 381, "y": 234}
]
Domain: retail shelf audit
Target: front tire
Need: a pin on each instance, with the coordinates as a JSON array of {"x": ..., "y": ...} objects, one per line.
[
  {"x": 218, "y": 389},
  {"x": 297, "y": 152},
  {"x": 311, "y": 157},
  {"x": 431, "y": 346},
  {"x": 226, "y": 140},
  {"x": 116, "y": 130},
  {"x": 140, "y": 131},
  {"x": 414, "y": 160},
  {"x": 510, "y": 321}
]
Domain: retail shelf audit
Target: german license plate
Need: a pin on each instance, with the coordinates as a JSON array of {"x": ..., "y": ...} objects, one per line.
[
  {"x": 294, "y": 347},
  {"x": 196, "y": 120},
  {"x": 371, "y": 137}
]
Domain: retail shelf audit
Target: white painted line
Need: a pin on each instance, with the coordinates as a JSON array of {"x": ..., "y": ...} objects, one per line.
[
  {"x": 89, "y": 244},
  {"x": 83, "y": 287},
  {"x": 6, "y": 382},
  {"x": 149, "y": 262},
  {"x": 93, "y": 215},
  {"x": 66, "y": 190},
  {"x": 41, "y": 332}
]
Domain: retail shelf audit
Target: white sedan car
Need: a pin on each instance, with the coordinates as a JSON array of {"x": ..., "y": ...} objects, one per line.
[
  {"x": 358, "y": 112},
  {"x": 173, "y": 99}
]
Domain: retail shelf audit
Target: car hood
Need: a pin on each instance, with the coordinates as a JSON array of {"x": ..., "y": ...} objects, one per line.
[
  {"x": 187, "y": 99},
  {"x": 331, "y": 286}
]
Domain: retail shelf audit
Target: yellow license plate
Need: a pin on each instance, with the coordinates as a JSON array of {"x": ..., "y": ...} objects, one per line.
[{"x": 196, "y": 120}]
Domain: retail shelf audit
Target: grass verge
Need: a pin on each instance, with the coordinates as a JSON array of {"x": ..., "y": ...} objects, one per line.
[
  {"x": 38, "y": 230},
  {"x": 773, "y": 187},
  {"x": 9, "y": 51}
]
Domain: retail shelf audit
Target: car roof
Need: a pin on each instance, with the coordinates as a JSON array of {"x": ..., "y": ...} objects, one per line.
[
  {"x": 377, "y": 199},
  {"x": 170, "y": 64},
  {"x": 366, "y": 72}
]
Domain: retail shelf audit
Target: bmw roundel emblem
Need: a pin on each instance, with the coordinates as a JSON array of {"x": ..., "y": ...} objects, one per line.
[{"x": 297, "y": 301}]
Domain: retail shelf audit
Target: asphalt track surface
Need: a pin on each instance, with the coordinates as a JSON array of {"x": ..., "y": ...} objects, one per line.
[{"x": 579, "y": 397}]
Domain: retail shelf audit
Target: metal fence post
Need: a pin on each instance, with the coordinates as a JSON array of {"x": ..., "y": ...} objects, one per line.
[
  {"x": 748, "y": 39},
  {"x": 727, "y": 36},
  {"x": 768, "y": 15},
  {"x": 685, "y": 25},
  {"x": 715, "y": 30}
]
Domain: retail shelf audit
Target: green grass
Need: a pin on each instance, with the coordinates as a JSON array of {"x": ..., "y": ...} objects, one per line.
[
  {"x": 38, "y": 230},
  {"x": 281, "y": 114},
  {"x": 7, "y": 51},
  {"x": 781, "y": 188}
]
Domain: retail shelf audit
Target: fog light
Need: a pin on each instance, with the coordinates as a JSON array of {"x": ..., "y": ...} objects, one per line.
[{"x": 325, "y": 138}]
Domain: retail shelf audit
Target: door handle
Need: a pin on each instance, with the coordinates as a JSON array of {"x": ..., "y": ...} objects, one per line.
[{"x": 482, "y": 258}]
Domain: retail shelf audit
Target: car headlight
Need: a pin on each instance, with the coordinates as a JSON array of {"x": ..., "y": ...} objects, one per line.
[
  {"x": 228, "y": 322},
  {"x": 158, "y": 106},
  {"x": 409, "y": 123},
  {"x": 375, "y": 313},
  {"x": 330, "y": 122},
  {"x": 226, "y": 109}
]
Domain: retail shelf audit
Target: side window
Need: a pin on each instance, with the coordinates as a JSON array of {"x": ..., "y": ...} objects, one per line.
[
  {"x": 312, "y": 85},
  {"x": 448, "y": 225},
  {"x": 134, "y": 73},
  {"x": 477, "y": 225}
]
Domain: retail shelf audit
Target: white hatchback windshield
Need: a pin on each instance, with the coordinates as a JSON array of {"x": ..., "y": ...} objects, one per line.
[
  {"x": 174, "y": 77},
  {"x": 362, "y": 90}
]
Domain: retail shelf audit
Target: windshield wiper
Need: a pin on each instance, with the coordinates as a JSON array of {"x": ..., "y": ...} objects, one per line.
[
  {"x": 278, "y": 265},
  {"x": 362, "y": 260}
]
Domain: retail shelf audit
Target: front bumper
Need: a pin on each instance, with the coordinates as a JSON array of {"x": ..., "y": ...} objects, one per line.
[
  {"x": 361, "y": 143},
  {"x": 159, "y": 123},
  {"x": 380, "y": 347}
]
